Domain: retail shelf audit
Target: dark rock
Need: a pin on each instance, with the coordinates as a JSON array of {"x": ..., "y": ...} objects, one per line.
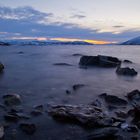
[
  {"x": 113, "y": 100},
  {"x": 11, "y": 118},
  {"x": 77, "y": 86},
  {"x": 121, "y": 114},
  {"x": 28, "y": 128},
  {"x": 20, "y": 52},
  {"x": 77, "y": 54},
  {"x": 96, "y": 103},
  {"x": 4, "y": 43},
  {"x": 68, "y": 91},
  {"x": 38, "y": 110},
  {"x": 109, "y": 133},
  {"x": 100, "y": 61},
  {"x": 12, "y": 99},
  {"x": 126, "y": 71},
  {"x": 88, "y": 116},
  {"x": 134, "y": 95},
  {"x": 62, "y": 64},
  {"x": 1, "y": 132},
  {"x": 1, "y": 67},
  {"x": 128, "y": 61}
]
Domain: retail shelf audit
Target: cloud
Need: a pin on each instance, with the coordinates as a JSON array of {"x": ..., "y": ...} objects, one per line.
[
  {"x": 118, "y": 26},
  {"x": 28, "y": 22},
  {"x": 79, "y": 16},
  {"x": 23, "y": 13}
]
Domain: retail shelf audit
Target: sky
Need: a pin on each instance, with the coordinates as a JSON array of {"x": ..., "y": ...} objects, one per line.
[{"x": 95, "y": 21}]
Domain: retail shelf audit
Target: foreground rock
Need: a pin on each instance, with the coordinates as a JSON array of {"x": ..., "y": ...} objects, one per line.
[
  {"x": 134, "y": 95},
  {"x": 88, "y": 116},
  {"x": 1, "y": 67},
  {"x": 126, "y": 71},
  {"x": 109, "y": 133},
  {"x": 113, "y": 100},
  {"x": 28, "y": 128},
  {"x": 100, "y": 61},
  {"x": 1, "y": 132},
  {"x": 12, "y": 99}
]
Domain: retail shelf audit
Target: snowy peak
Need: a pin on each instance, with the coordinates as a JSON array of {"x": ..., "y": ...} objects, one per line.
[{"x": 134, "y": 41}]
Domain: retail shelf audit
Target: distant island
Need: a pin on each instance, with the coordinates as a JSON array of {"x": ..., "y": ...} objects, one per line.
[
  {"x": 134, "y": 41},
  {"x": 42, "y": 43}
]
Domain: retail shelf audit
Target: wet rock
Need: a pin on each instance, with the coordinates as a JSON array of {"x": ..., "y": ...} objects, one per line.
[
  {"x": 77, "y": 54},
  {"x": 12, "y": 99},
  {"x": 62, "y": 64},
  {"x": 121, "y": 114},
  {"x": 113, "y": 100},
  {"x": 126, "y": 71},
  {"x": 11, "y": 118},
  {"x": 88, "y": 116},
  {"x": 129, "y": 128},
  {"x": 127, "y": 61},
  {"x": 77, "y": 86},
  {"x": 134, "y": 95},
  {"x": 100, "y": 61},
  {"x": 28, "y": 128},
  {"x": 1, "y": 67},
  {"x": 1, "y": 132},
  {"x": 109, "y": 133},
  {"x": 97, "y": 103},
  {"x": 38, "y": 110}
]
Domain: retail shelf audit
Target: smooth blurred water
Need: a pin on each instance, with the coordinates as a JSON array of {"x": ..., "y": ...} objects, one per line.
[{"x": 33, "y": 76}]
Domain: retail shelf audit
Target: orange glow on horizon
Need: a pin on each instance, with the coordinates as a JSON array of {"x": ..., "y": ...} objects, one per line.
[{"x": 99, "y": 42}]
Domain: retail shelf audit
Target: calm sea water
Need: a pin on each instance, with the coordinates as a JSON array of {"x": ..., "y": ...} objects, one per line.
[{"x": 33, "y": 76}]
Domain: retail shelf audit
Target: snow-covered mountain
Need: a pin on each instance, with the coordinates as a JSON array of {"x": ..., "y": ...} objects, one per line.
[
  {"x": 134, "y": 41},
  {"x": 41, "y": 43}
]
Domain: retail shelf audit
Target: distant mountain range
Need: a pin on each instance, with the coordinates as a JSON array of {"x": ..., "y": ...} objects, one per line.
[
  {"x": 41, "y": 43},
  {"x": 134, "y": 41}
]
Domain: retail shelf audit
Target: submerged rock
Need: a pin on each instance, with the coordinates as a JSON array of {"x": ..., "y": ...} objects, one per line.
[
  {"x": 108, "y": 133},
  {"x": 12, "y": 99},
  {"x": 62, "y": 64},
  {"x": 77, "y": 54},
  {"x": 28, "y": 128},
  {"x": 88, "y": 116},
  {"x": 114, "y": 100},
  {"x": 126, "y": 71},
  {"x": 100, "y": 61},
  {"x": 77, "y": 86},
  {"x": 1, "y": 67}
]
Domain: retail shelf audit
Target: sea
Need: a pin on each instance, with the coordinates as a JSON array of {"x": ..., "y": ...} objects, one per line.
[{"x": 30, "y": 71}]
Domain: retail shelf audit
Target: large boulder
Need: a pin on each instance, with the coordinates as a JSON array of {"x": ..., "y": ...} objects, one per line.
[
  {"x": 126, "y": 71},
  {"x": 100, "y": 61},
  {"x": 87, "y": 116},
  {"x": 1, "y": 67}
]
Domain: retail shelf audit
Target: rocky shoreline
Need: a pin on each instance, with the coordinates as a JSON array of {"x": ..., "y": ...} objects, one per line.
[{"x": 108, "y": 116}]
